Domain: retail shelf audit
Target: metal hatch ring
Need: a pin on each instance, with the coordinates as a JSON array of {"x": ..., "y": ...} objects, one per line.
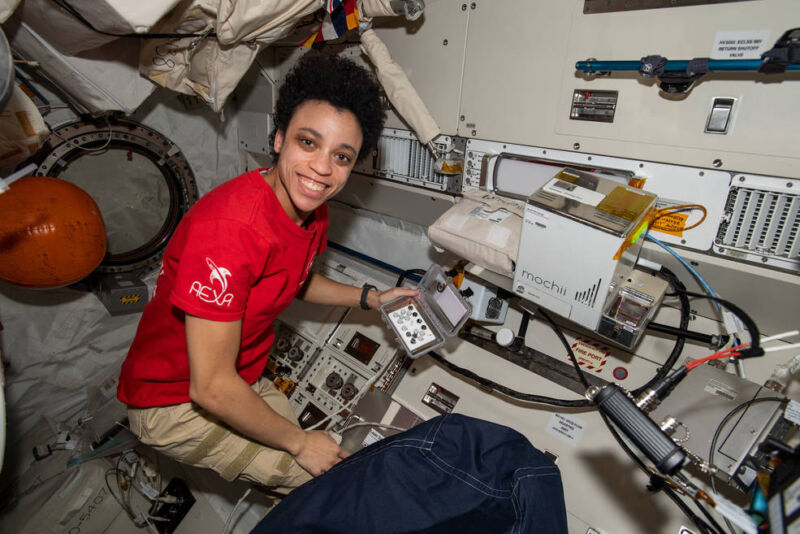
[{"x": 72, "y": 141}]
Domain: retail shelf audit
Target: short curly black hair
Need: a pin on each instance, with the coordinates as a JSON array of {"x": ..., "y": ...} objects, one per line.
[{"x": 341, "y": 83}]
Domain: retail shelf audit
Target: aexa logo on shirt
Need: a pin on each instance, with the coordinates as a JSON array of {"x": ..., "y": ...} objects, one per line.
[{"x": 215, "y": 293}]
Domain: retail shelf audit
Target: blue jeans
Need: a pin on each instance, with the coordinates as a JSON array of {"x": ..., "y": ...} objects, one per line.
[{"x": 452, "y": 474}]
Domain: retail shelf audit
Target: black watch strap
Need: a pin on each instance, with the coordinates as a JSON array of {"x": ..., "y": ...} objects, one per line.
[{"x": 364, "y": 293}]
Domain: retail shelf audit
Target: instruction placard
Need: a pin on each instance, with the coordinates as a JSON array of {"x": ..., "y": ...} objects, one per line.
[
  {"x": 566, "y": 427},
  {"x": 741, "y": 44}
]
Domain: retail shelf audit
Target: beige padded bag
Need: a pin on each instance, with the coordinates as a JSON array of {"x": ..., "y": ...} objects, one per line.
[{"x": 483, "y": 228}]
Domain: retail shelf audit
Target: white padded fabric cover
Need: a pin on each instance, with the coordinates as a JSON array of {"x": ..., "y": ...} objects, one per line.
[
  {"x": 483, "y": 228},
  {"x": 211, "y": 68}
]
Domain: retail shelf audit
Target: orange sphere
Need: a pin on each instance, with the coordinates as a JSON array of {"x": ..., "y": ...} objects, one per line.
[{"x": 51, "y": 233}]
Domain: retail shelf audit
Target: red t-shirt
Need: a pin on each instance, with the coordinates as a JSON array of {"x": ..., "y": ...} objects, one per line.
[{"x": 235, "y": 255}]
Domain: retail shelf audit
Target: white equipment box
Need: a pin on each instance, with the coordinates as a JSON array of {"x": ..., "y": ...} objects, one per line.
[{"x": 580, "y": 239}]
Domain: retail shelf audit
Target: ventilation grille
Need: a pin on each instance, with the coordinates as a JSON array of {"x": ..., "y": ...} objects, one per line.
[
  {"x": 407, "y": 160},
  {"x": 761, "y": 222},
  {"x": 405, "y": 157}
]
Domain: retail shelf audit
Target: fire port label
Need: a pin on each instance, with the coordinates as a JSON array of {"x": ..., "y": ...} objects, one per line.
[{"x": 591, "y": 355}]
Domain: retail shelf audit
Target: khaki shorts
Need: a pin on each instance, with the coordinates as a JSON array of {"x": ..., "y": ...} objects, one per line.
[{"x": 191, "y": 435}]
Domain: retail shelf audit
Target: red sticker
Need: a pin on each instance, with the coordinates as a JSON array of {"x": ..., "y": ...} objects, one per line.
[{"x": 620, "y": 373}]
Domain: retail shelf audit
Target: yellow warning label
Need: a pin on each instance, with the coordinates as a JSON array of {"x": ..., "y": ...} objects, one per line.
[
  {"x": 590, "y": 356},
  {"x": 672, "y": 224},
  {"x": 130, "y": 299}
]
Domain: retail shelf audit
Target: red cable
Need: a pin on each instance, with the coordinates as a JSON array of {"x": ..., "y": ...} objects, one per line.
[{"x": 725, "y": 353}]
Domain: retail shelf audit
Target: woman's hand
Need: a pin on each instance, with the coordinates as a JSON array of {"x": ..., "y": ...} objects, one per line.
[{"x": 376, "y": 298}]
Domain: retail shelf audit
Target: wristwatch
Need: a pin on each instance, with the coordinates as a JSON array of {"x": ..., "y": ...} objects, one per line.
[{"x": 364, "y": 293}]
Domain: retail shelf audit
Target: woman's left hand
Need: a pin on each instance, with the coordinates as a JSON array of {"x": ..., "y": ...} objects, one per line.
[{"x": 376, "y": 298}]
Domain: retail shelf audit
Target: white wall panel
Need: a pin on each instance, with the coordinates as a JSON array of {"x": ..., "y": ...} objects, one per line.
[
  {"x": 519, "y": 75},
  {"x": 432, "y": 67}
]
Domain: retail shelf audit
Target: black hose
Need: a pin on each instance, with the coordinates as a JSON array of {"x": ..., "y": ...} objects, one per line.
[{"x": 709, "y": 339}]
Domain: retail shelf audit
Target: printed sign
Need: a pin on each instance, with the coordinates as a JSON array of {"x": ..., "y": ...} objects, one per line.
[
  {"x": 741, "y": 44},
  {"x": 672, "y": 224},
  {"x": 566, "y": 427},
  {"x": 792, "y": 412},
  {"x": 590, "y": 355}
]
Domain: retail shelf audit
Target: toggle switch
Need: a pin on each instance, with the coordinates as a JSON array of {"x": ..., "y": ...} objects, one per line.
[{"x": 720, "y": 115}]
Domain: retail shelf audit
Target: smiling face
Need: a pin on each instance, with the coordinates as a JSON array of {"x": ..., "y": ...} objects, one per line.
[{"x": 315, "y": 156}]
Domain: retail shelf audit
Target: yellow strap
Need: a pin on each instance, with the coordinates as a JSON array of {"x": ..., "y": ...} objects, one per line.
[
  {"x": 205, "y": 446},
  {"x": 235, "y": 468},
  {"x": 282, "y": 466}
]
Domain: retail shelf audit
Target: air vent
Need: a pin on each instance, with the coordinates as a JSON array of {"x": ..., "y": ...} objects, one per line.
[
  {"x": 402, "y": 158},
  {"x": 762, "y": 223}
]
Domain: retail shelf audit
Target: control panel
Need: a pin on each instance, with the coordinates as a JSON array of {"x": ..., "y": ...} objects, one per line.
[
  {"x": 325, "y": 377},
  {"x": 412, "y": 326}
]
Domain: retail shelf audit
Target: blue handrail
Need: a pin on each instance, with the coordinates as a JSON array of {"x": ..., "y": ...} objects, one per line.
[{"x": 714, "y": 65}]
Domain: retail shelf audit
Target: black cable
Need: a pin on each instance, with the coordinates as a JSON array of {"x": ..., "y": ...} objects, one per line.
[
  {"x": 407, "y": 273},
  {"x": 66, "y": 6},
  {"x": 523, "y": 325},
  {"x": 657, "y": 482},
  {"x": 714, "y": 340},
  {"x": 528, "y": 397},
  {"x": 680, "y": 340},
  {"x": 560, "y": 334},
  {"x": 755, "y": 338}
]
